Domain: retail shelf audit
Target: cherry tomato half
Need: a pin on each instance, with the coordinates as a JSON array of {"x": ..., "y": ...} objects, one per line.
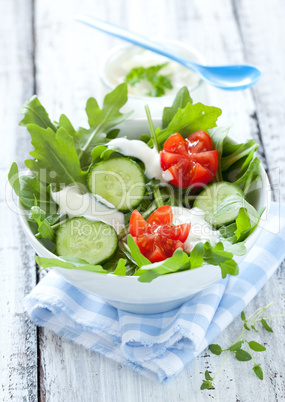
[
  {"x": 191, "y": 161},
  {"x": 157, "y": 238}
]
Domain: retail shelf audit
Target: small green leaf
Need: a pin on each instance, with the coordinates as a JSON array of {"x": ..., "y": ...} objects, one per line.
[
  {"x": 196, "y": 256},
  {"x": 135, "y": 252},
  {"x": 216, "y": 349},
  {"x": 266, "y": 326},
  {"x": 207, "y": 376},
  {"x": 258, "y": 371},
  {"x": 207, "y": 385},
  {"x": 180, "y": 101},
  {"x": 242, "y": 316},
  {"x": 229, "y": 267},
  {"x": 121, "y": 268},
  {"x": 13, "y": 177},
  {"x": 253, "y": 327},
  {"x": 69, "y": 263},
  {"x": 35, "y": 113},
  {"x": 242, "y": 355},
  {"x": 171, "y": 264},
  {"x": 246, "y": 326},
  {"x": 257, "y": 347},
  {"x": 236, "y": 346}
]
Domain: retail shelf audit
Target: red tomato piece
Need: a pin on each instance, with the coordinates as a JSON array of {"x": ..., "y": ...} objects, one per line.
[
  {"x": 191, "y": 161},
  {"x": 161, "y": 216},
  {"x": 137, "y": 224},
  {"x": 179, "y": 232},
  {"x": 176, "y": 144},
  {"x": 157, "y": 238},
  {"x": 199, "y": 141}
]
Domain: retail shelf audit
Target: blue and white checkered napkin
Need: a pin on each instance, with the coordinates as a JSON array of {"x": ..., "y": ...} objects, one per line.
[{"x": 158, "y": 346}]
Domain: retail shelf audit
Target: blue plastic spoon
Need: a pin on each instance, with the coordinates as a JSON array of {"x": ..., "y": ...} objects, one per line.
[{"x": 231, "y": 77}]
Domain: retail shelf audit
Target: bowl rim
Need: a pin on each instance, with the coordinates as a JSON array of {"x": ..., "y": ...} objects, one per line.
[
  {"x": 111, "y": 52},
  {"x": 22, "y": 213}
]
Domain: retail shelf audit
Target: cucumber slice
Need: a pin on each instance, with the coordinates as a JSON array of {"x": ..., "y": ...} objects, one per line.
[
  {"x": 209, "y": 199},
  {"x": 119, "y": 181},
  {"x": 94, "y": 242}
]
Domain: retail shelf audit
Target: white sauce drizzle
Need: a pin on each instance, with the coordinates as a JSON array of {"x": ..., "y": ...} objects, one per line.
[
  {"x": 201, "y": 231},
  {"x": 73, "y": 202},
  {"x": 149, "y": 156}
]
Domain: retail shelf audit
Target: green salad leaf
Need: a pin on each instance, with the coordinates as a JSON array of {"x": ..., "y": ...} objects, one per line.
[
  {"x": 159, "y": 82},
  {"x": 44, "y": 227},
  {"x": 234, "y": 152},
  {"x": 170, "y": 265},
  {"x": 35, "y": 113},
  {"x": 232, "y": 204},
  {"x": 191, "y": 118},
  {"x": 69, "y": 263},
  {"x": 181, "y": 100},
  {"x": 56, "y": 160},
  {"x": 29, "y": 188},
  {"x": 218, "y": 135},
  {"x": 100, "y": 122}
]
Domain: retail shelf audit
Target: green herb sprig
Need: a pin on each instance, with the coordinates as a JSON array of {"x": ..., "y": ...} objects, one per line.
[
  {"x": 159, "y": 82},
  {"x": 241, "y": 347}
]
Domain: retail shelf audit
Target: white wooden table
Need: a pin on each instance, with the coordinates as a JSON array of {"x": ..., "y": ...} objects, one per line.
[{"x": 43, "y": 51}]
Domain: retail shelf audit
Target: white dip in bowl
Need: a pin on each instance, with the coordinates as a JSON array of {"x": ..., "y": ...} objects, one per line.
[{"x": 119, "y": 61}]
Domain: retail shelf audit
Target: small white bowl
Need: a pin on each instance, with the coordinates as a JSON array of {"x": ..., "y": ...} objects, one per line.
[
  {"x": 112, "y": 71},
  {"x": 163, "y": 293}
]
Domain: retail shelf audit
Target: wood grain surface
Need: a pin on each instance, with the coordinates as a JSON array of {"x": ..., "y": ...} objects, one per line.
[{"x": 43, "y": 51}]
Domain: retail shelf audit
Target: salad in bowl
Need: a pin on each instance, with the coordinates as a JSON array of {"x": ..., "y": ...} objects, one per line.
[{"x": 144, "y": 213}]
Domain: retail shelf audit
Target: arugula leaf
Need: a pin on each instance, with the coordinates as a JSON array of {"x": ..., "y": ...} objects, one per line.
[
  {"x": 44, "y": 227},
  {"x": 121, "y": 268},
  {"x": 218, "y": 135},
  {"x": 56, "y": 158},
  {"x": 243, "y": 223},
  {"x": 192, "y": 118},
  {"x": 27, "y": 188},
  {"x": 180, "y": 101},
  {"x": 35, "y": 113},
  {"x": 65, "y": 123},
  {"x": 250, "y": 175},
  {"x": 100, "y": 122},
  {"x": 172, "y": 264},
  {"x": 135, "y": 252},
  {"x": 218, "y": 256},
  {"x": 246, "y": 223},
  {"x": 69, "y": 263},
  {"x": 232, "y": 204},
  {"x": 233, "y": 152},
  {"x": 197, "y": 256},
  {"x": 13, "y": 177},
  {"x": 159, "y": 82},
  {"x": 236, "y": 248}
]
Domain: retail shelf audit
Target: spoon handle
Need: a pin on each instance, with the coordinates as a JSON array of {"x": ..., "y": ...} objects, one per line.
[{"x": 135, "y": 39}]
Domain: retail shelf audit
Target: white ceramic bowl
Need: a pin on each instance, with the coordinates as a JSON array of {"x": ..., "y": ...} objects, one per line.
[
  {"x": 165, "y": 292},
  {"x": 110, "y": 69}
]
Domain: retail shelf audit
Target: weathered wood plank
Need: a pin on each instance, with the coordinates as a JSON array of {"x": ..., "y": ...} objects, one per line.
[
  {"x": 18, "y": 336},
  {"x": 264, "y": 46},
  {"x": 67, "y": 57}
]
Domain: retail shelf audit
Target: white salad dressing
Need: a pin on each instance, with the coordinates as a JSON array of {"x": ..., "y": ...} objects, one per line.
[
  {"x": 73, "y": 202},
  {"x": 133, "y": 57},
  {"x": 140, "y": 150},
  {"x": 201, "y": 231}
]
